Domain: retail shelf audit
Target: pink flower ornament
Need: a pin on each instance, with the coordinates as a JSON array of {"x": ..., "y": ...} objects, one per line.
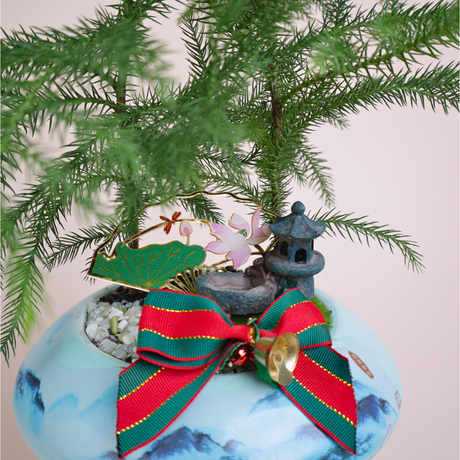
[
  {"x": 186, "y": 229},
  {"x": 235, "y": 245}
]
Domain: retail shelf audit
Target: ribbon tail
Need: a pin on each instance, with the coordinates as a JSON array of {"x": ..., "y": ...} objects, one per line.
[
  {"x": 151, "y": 397},
  {"x": 322, "y": 390}
]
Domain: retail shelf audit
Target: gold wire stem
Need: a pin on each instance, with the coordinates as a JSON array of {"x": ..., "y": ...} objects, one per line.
[{"x": 191, "y": 195}]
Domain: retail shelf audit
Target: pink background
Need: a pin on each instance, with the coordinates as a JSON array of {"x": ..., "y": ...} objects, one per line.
[{"x": 398, "y": 166}]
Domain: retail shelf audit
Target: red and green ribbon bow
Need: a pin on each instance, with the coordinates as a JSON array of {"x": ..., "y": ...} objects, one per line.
[{"x": 185, "y": 338}]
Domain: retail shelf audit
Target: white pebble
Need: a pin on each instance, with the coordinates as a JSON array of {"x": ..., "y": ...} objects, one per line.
[
  {"x": 127, "y": 339},
  {"x": 126, "y": 315},
  {"x": 105, "y": 323},
  {"x": 91, "y": 330},
  {"x": 92, "y": 306},
  {"x": 120, "y": 353},
  {"x": 129, "y": 348},
  {"x": 101, "y": 335},
  {"x": 115, "y": 312},
  {"x": 133, "y": 320},
  {"x": 108, "y": 346}
]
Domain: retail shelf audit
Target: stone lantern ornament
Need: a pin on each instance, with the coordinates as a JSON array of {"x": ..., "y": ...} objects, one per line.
[{"x": 294, "y": 257}]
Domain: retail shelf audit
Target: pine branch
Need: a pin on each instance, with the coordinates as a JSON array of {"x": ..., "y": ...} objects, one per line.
[
  {"x": 95, "y": 47},
  {"x": 214, "y": 181},
  {"x": 41, "y": 69},
  {"x": 67, "y": 247},
  {"x": 371, "y": 41},
  {"x": 203, "y": 207},
  {"x": 195, "y": 44},
  {"x": 346, "y": 225},
  {"x": 313, "y": 173},
  {"x": 24, "y": 290},
  {"x": 435, "y": 86},
  {"x": 51, "y": 107}
]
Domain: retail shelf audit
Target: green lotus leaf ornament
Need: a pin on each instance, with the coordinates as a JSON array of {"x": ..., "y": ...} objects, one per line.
[{"x": 146, "y": 268}]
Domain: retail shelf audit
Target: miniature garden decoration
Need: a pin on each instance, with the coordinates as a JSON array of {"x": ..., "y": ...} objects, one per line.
[{"x": 261, "y": 77}]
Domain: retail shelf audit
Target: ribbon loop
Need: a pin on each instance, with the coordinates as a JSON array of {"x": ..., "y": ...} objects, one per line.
[
  {"x": 183, "y": 331},
  {"x": 184, "y": 339}
]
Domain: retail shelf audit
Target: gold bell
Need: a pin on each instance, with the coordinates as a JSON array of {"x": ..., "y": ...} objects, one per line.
[{"x": 279, "y": 355}]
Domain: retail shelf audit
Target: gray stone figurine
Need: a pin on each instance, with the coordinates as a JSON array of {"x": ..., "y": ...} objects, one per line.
[{"x": 294, "y": 257}]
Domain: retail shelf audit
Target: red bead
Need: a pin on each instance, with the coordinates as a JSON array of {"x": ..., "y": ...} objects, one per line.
[{"x": 241, "y": 355}]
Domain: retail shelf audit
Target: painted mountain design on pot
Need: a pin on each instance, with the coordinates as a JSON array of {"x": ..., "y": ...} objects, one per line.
[
  {"x": 28, "y": 398},
  {"x": 110, "y": 456},
  {"x": 190, "y": 444},
  {"x": 371, "y": 411},
  {"x": 373, "y": 408},
  {"x": 67, "y": 416},
  {"x": 273, "y": 400},
  {"x": 28, "y": 379},
  {"x": 95, "y": 415}
]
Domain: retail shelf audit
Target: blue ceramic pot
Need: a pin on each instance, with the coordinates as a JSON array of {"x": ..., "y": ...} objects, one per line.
[{"x": 66, "y": 392}]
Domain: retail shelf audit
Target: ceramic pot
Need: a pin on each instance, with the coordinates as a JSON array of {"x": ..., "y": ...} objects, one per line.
[{"x": 66, "y": 392}]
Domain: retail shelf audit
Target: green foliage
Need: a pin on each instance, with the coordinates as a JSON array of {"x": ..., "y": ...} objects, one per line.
[
  {"x": 347, "y": 226},
  {"x": 67, "y": 247},
  {"x": 322, "y": 307},
  {"x": 244, "y": 319},
  {"x": 284, "y": 285},
  {"x": 263, "y": 75},
  {"x": 23, "y": 293}
]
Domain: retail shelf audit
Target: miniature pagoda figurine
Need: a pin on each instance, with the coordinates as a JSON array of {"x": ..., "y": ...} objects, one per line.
[{"x": 293, "y": 257}]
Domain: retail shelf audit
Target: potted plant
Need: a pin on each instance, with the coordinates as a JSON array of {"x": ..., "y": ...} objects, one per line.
[{"x": 127, "y": 143}]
